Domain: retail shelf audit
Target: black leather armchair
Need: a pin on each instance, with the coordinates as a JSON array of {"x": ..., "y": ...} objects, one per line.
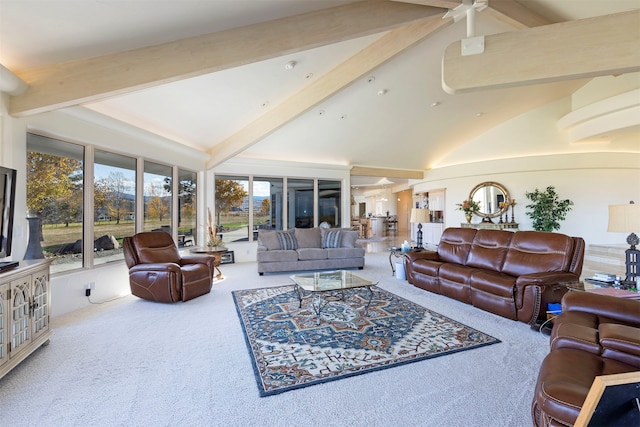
[{"x": 157, "y": 272}]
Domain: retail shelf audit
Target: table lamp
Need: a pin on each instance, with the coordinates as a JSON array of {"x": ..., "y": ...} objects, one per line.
[
  {"x": 626, "y": 219},
  {"x": 419, "y": 216}
]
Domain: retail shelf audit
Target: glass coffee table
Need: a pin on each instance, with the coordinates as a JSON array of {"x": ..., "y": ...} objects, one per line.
[{"x": 324, "y": 285}]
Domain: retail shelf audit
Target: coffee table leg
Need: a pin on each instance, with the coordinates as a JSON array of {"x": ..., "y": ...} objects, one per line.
[
  {"x": 366, "y": 308},
  {"x": 297, "y": 288},
  {"x": 318, "y": 304}
]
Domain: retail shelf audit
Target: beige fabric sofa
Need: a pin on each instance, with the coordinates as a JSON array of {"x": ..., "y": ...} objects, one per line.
[{"x": 308, "y": 249}]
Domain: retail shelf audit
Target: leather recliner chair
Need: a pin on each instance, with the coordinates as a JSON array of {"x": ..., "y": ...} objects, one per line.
[{"x": 157, "y": 272}]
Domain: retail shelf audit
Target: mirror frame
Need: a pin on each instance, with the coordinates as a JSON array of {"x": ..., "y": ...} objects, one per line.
[{"x": 500, "y": 187}]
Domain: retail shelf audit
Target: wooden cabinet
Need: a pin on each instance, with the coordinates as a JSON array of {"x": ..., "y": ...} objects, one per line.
[{"x": 25, "y": 298}]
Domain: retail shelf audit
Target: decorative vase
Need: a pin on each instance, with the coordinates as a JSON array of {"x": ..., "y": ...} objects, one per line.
[
  {"x": 34, "y": 249},
  {"x": 468, "y": 216}
]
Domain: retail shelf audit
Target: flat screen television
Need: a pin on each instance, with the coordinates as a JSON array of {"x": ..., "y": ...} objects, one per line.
[{"x": 7, "y": 207}]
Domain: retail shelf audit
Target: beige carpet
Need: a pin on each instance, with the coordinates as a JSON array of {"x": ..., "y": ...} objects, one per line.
[{"x": 137, "y": 363}]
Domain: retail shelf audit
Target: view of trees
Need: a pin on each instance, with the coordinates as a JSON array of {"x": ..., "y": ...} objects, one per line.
[
  {"x": 112, "y": 195},
  {"x": 229, "y": 194},
  {"x": 54, "y": 187},
  {"x": 156, "y": 206},
  {"x": 265, "y": 206}
]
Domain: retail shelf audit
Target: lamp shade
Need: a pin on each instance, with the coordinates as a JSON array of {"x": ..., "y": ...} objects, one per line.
[
  {"x": 624, "y": 218},
  {"x": 419, "y": 215}
]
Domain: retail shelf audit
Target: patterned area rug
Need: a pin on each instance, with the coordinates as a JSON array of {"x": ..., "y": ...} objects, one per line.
[{"x": 290, "y": 350}]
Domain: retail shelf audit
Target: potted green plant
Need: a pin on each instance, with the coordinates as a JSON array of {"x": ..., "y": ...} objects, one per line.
[{"x": 547, "y": 210}]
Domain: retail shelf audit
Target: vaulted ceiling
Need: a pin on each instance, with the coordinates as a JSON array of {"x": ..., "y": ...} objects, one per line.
[{"x": 355, "y": 83}]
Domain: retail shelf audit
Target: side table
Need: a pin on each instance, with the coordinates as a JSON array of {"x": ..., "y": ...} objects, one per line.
[
  {"x": 216, "y": 251},
  {"x": 396, "y": 251}
]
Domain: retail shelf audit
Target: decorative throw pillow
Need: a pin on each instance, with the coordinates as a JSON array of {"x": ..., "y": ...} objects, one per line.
[
  {"x": 287, "y": 240},
  {"x": 268, "y": 239},
  {"x": 331, "y": 239},
  {"x": 308, "y": 237},
  {"x": 349, "y": 238}
]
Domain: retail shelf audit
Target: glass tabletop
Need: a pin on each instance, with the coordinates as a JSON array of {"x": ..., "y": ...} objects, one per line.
[{"x": 330, "y": 281}]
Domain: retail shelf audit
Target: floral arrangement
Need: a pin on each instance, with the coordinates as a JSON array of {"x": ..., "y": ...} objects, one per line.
[
  {"x": 214, "y": 240},
  {"x": 469, "y": 206}
]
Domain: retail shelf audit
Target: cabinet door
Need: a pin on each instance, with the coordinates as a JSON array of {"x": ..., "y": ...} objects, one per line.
[
  {"x": 4, "y": 323},
  {"x": 19, "y": 316},
  {"x": 40, "y": 283}
]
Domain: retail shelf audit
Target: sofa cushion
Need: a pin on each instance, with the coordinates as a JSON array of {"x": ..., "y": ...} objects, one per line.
[
  {"x": 489, "y": 249},
  {"x": 287, "y": 240},
  {"x": 455, "y": 245},
  {"x": 306, "y": 254},
  {"x": 338, "y": 253},
  {"x": 268, "y": 239},
  {"x": 331, "y": 238},
  {"x": 538, "y": 251},
  {"x": 349, "y": 238},
  {"x": 164, "y": 254},
  {"x": 277, "y": 255},
  {"x": 620, "y": 342},
  {"x": 493, "y": 283},
  {"x": 308, "y": 237},
  {"x": 427, "y": 266}
]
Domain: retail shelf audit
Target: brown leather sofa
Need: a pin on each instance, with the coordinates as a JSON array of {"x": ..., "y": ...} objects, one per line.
[
  {"x": 512, "y": 274},
  {"x": 595, "y": 335},
  {"x": 157, "y": 272}
]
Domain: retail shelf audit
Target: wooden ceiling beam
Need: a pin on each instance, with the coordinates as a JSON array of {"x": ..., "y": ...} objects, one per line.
[
  {"x": 587, "y": 48},
  {"x": 444, "y": 4},
  {"x": 327, "y": 85},
  {"x": 515, "y": 14},
  {"x": 92, "y": 79}
]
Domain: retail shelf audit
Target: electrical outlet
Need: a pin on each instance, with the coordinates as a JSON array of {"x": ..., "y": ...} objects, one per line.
[{"x": 88, "y": 288}]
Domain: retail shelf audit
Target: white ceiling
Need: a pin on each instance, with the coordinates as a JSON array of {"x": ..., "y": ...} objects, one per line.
[{"x": 400, "y": 129}]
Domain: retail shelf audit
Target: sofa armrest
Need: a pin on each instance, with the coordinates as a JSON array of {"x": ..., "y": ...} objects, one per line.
[
  {"x": 163, "y": 266},
  {"x": 414, "y": 255},
  {"x": 533, "y": 292},
  {"x": 622, "y": 310},
  {"x": 545, "y": 279},
  {"x": 620, "y": 338}
]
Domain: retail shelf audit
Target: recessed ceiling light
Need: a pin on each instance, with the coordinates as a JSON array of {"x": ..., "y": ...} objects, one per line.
[
  {"x": 344, "y": 116},
  {"x": 290, "y": 65},
  {"x": 435, "y": 104},
  {"x": 382, "y": 92},
  {"x": 371, "y": 79},
  {"x": 321, "y": 112},
  {"x": 308, "y": 76},
  {"x": 265, "y": 104},
  {"x": 479, "y": 114}
]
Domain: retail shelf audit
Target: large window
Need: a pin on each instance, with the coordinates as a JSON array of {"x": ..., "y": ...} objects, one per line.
[
  {"x": 267, "y": 203},
  {"x": 300, "y": 197},
  {"x": 157, "y": 197},
  {"x": 329, "y": 197},
  {"x": 64, "y": 211},
  {"x": 114, "y": 197},
  {"x": 232, "y": 208},
  {"x": 274, "y": 204},
  {"x": 187, "y": 203},
  {"x": 55, "y": 200}
]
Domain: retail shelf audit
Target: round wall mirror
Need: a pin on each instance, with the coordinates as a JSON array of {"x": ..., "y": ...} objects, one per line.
[{"x": 489, "y": 195}]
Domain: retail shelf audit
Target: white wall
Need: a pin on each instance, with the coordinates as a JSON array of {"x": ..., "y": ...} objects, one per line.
[{"x": 591, "y": 181}]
